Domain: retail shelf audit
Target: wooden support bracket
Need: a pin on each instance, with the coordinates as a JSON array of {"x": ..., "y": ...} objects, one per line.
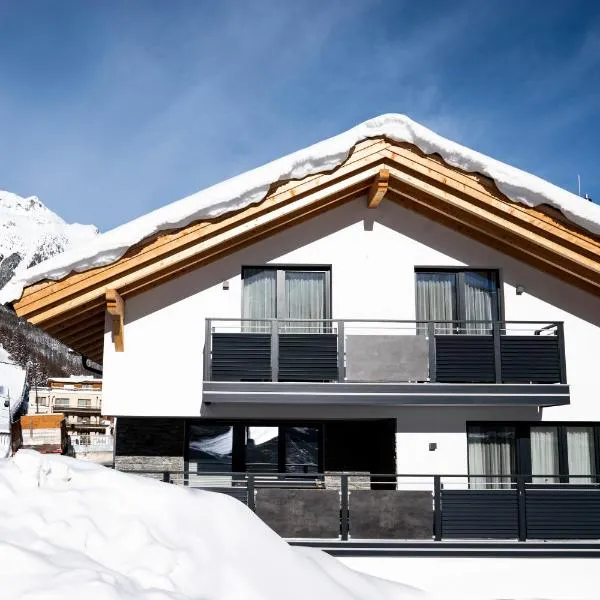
[
  {"x": 116, "y": 309},
  {"x": 378, "y": 188}
]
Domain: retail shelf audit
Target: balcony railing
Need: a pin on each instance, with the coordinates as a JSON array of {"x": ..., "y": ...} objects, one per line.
[
  {"x": 365, "y": 506},
  {"x": 349, "y": 350}
]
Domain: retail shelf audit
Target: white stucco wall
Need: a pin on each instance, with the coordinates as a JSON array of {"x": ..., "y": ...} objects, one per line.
[{"x": 372, "y": 254}]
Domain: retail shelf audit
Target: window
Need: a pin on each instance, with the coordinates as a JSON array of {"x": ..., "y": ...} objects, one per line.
[
  {"x": 42, "y": 400},
  {"x": 547, "y": 453},
  {"x": 268, "y": 448},
  {"x": 211, "y": 447},
  {"x": 286, "y": 293},
  {"x": 61, "y": 403},
  {"x": 581, "y": 453},
  {"x": 544, "y": 454},
  {"x": 491, "y": 455},
  {"x": 84, "y": 403},
  {"x": 457, "y": 295}
]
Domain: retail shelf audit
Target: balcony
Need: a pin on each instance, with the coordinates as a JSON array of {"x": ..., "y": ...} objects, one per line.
[{"x": 384, "y": 362}]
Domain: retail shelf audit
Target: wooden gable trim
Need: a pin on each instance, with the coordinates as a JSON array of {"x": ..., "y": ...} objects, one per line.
[
  {"x": 116, "y": 311},
  {"x": 72, "y": 309},
  {"x": 378, "y": 188}
]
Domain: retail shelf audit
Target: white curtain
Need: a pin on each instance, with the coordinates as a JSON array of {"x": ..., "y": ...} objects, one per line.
[
  {"x": 478, "y": 301},
  {"x": 580, "y": 448},
  {"x": 305, "y": 299},
  {"x": 436, "y": 299},
  {"x": 259, "y": 298},
  {"x": 491, "y": 453},
  {"x": 544, "y": 454}
]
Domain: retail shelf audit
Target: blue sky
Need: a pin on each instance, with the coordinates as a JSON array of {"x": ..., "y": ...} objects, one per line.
[{"x": 111, "y": 108}]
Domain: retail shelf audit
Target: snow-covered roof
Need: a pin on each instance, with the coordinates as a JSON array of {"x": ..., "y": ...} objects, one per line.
[
  {"x": 251, "y": 187},
  {"x": 76, "y": 379}
]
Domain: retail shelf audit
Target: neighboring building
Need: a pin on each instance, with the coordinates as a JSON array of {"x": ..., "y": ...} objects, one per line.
[
  {"x": 79, "y": 399},
  {"x": 45, "y": 433},
  {"x": 358, "y": 307}
]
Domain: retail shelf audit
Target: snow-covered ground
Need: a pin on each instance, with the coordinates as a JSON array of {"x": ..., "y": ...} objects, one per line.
[
  {"x": 252, "y": 186},
  {"x": 490, "y": 578},
  {"x": 71, "y": 529}
]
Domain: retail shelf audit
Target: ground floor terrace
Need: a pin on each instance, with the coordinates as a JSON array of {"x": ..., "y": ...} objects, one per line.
[{"x": 455, "y": 477}]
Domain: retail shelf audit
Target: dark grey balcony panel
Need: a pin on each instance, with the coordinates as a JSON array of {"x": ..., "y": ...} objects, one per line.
[
  {"x": 530, "y": 358},
  {"x": 384, "y": 394},
  {"x": 464, "y": 359},
  {"x": 391, "y": 514},
  {"x": 479, "y": 514},
  {"x": 565, "y": 513},
  {"x": 308, "y": 357},
  {"x": 387, "y": 358},
  {"x": 300, "y": 513},
  {"x": 241, "y": 357}
]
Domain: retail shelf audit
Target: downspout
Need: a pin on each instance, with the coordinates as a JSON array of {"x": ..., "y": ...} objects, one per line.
[{"x": 86, "y": 365}]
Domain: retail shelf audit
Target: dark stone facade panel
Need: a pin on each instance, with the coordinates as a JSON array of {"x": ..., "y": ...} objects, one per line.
[
  {"x": 300, "y": 513},
  {"x": 391, "y": 514}
]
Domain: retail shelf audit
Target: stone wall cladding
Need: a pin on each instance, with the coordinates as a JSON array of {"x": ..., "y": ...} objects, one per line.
[{"x": 150, "y": 444}]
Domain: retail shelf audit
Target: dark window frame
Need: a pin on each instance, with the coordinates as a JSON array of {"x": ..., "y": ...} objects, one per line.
[
  {"x": 460, "y": 288},
  {"x": 280, "y": 270},
  {"x": 238, "y": 449},
  {"x": 523, "y": 448}
]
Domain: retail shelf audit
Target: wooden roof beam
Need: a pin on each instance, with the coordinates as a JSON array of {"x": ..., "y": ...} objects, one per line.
[
  {"x": 116, "y": 310},
  {"x": 378, "y": 188}
]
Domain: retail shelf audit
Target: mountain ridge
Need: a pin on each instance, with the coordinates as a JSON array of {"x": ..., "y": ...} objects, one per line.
[{"x": 29, "y": 234}]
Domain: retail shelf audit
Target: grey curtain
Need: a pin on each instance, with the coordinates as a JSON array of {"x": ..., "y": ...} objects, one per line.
[
  {"x": 259, "y": 298},
  {"x": 479, "y": 290},
  {"x": 305, "y": 299},
  {"x": 436, "y": 299},
  {"x": 491, "y": 453},
  {"x": 580, "y": 448},
  {"x": 544, "y": 454}
]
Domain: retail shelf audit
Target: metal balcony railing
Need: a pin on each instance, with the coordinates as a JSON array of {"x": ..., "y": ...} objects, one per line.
[
  {"x": 351, "y": 350},
  {"x": 366, "y": 506}
]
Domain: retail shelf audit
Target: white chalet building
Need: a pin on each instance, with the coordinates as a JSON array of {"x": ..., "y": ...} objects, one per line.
[{"x": 383, "y": 303}]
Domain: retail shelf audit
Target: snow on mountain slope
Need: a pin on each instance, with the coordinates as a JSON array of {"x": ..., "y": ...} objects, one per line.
[
  {"x": 71, "y": 529},
  {"x": 31, "y": 233}
]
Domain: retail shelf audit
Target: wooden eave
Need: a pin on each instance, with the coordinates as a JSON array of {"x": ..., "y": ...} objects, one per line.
[{"x": 73, "y": 308}]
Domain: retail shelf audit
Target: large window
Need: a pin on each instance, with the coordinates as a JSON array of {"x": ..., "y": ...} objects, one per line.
[
  {"x": 546, "y": 453},
  {"x": 286, "y": 293},
  {"x": 457, "y": 295},
  {"x": 259, "y": 448}
]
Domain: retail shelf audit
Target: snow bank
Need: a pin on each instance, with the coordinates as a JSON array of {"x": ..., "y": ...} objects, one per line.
[
  {"x": 252, "y": 186},
  {"x": 71, "y": 529}
]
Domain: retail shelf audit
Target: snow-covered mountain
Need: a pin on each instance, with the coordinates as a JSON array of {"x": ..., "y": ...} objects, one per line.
[{"x": 31, "y": 233}]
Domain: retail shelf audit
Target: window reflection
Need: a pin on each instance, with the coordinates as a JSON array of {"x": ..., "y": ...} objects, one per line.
[
  {"x": 301, "y": 449},
  {"x": 262, "y": 449},
  {"x": 211, "y": 447}
]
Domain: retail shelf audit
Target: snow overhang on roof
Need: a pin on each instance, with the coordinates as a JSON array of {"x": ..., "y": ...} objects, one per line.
[{"x": 450, "y": 190}]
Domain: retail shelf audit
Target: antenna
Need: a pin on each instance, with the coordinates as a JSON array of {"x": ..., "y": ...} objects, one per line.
[{"x": 578, "y": 185}]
